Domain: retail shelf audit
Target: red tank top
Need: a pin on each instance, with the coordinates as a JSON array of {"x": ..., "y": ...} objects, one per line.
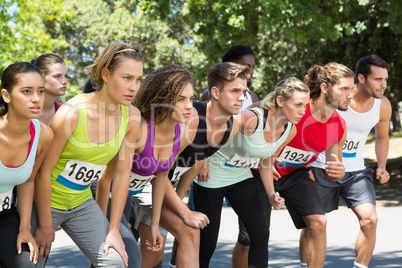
[{"x": 312, "y": 138}]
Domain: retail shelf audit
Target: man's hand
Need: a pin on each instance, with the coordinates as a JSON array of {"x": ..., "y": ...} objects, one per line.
[
  {"x": 335, "y": 170},
  {"x": 382, "y": 175},
  {"x": 196, "y": 219}
]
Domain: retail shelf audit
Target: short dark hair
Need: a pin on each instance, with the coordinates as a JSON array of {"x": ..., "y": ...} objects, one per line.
[
  {"x": 235, "y": 53},
  {"x": 363, "y": 66}
]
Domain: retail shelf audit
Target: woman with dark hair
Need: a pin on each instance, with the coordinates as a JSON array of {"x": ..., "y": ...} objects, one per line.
[{"x": 26, "y": 142}]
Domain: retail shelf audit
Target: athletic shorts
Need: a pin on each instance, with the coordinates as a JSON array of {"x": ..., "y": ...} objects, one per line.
[
  {"x": 243, "y": 237},
  {"x": 301, "y": 195},
  {"x": 357, "y": 189},
  {"x": 143, "y": 208}
]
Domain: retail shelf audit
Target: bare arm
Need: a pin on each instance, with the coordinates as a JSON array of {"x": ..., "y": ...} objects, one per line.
[
  {"x": 335, "y": 169},
  {"x": 267, "y": 179},
  {"x": 121, "y": 181},
  {"x": 382, "y": 140},
  {"x": 63, "y": 125},
  {"x": 103, "y": 185}
]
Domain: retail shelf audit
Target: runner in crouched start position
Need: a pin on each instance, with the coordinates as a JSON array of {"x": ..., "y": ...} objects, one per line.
[
  {"x": 89, "y": 131},
  {"x": 263, "y": 131},
  {"x": 26, "y": 142}
]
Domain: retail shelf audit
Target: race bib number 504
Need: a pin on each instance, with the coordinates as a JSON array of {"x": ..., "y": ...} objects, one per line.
[
  {"x": 77, "y": 175},
  {"x": 6, "y": 200},
  {"x": 294, "y": 157}
]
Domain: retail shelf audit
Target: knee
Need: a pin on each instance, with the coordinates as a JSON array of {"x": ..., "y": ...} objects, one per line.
[
  {"x": 191, "y": 237},
  {"x": 317, "y": 223},
  {"x": 369, "y": 222},
  {"x": 113, "y": 259}
]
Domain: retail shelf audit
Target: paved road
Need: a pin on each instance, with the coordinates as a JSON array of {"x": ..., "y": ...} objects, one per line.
[{"x": 341, "y": 235}]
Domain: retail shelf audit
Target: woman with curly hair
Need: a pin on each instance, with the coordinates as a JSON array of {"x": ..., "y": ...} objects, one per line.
[{"x": 165, "y": 101}]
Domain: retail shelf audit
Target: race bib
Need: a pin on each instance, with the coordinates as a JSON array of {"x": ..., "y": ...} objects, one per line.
[
  {"x": 243, "y": 162},
  {"x": 294, "y": 157},
  {"x": 6, "y": 200},
  {"x": 138, "y": 182},
  {"x": 78, "y": 175},
  {"x": 178, "y": 172},
  {"x": 350, "y": 147}
]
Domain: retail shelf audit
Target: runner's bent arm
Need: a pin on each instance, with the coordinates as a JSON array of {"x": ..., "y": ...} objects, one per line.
[
  {"x": 334, "y": 167},
  {"x": 382, "y": 140},
  {"x": 63, "y": 125},
  {"x": 25, "y": 197}
]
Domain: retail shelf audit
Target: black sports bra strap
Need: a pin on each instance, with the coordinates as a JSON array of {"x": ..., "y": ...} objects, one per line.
[{"x": 265, "y": 118}]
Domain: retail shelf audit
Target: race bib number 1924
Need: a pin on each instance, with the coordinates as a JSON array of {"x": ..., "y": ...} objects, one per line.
[{"x": 294, "y": 157}]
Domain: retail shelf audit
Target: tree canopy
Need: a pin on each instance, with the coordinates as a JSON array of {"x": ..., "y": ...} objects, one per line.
[{"x": 288, "y": 36}]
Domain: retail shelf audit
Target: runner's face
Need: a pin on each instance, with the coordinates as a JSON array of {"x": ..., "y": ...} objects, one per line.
[
  {"x": 28, "y": 95},
  {"x": 340, "y": 95},
  {"x": 123, "y": 83},
  {"x": 232, "y": 96},
  {"x": 294, "y": 108},
  {"x": 56, "y": 79},
  {"x": 248, "y": 60},
  {"x": 376, "y": 82},
  {"x": 184, "y": 104}
]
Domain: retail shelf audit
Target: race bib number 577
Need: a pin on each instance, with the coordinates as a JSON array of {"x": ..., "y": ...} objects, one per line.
[{"x": 77, "y": 175}]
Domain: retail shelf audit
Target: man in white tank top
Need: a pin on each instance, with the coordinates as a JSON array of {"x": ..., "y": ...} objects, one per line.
[{"x": 368, "y": 108}]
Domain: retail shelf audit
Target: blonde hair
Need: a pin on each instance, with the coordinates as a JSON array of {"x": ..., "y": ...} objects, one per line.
[
  {"x": 110, "y": 58},
  {"x": 329, "y": 74},
  {"x": 283, "y": 89}
]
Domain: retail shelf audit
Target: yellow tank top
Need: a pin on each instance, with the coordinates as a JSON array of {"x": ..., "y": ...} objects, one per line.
[{"x": 82, "y": 162}]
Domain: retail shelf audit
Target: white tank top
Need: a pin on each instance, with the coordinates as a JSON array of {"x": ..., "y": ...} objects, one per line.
[{"x": 358, "y": 127}]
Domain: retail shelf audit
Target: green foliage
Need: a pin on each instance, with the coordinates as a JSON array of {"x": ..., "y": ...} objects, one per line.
[{"x": 288, "y": 36}]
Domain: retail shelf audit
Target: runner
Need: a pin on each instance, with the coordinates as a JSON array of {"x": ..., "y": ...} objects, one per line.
[
  {"x": 243, "y": 55},
  {"x": 54, "y": 72},
  {"x": 165, "y": 101},
  {"x": 262, "y": 132},
  {"x": 320, "y": 128},
  {"x": 368, "y": 109},
  {"x": 26, "y": 142},
  {"x": 89, "y": 131},
  {"x": 214, "y": 123}
]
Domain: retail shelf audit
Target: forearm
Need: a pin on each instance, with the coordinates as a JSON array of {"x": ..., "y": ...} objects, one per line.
[
  {"x": 102, "y": 194},
  {"x": 43, "y": 198},
  {"x": 119, "y": 196},
  {"x": 187, "y": 179},
  {"x": 25, "y": 197},
  {"x": 158, "y": 194},
  {"x": 174, "y": 201},
  {"x": 381, "y": 151}
]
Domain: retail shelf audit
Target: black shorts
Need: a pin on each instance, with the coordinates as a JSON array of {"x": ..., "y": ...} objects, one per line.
[
  {"x": 356, "y": 188},
  {"x": 301, "y": 196}
]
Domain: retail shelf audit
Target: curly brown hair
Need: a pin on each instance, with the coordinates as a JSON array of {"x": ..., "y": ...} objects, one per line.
[
  {"x": 329, "y": 74},
  {"x": 159, "y": 92}
]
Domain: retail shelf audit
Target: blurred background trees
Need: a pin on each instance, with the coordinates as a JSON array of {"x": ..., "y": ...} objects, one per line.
[{"x": 288, "y": 36}]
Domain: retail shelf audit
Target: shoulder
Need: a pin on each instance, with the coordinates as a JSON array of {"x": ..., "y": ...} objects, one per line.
[
  {"x": 254, "y": 96},
  {"x": 385, "y": 108},
  {"x": 46, "y": 135},
  {"x": 247, "y": 120},
  {"x": 134, "y": 121}
]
